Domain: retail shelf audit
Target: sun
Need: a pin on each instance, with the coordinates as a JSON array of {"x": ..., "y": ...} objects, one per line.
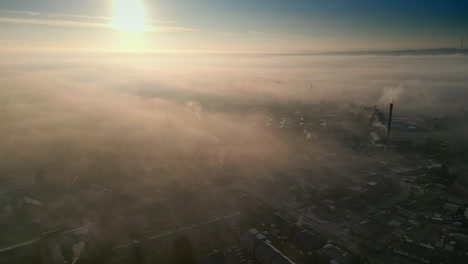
[{"x": 129, "y": 15}]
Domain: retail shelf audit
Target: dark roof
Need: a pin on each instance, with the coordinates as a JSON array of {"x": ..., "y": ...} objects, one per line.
[
  {"x": 335, "y": 253},
  {"x": 249, "y": 242},
  {"x": 294, "y": 229},
  {"x": 451, "y": 208},
  {"x": 414, "y": 250},
  {"x": 308, "y": 240},
  {"x": 263, "y": 251},
  {"x": 281, "y": 223}
]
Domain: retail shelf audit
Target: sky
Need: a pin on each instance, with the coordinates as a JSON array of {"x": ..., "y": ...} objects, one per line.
[
  {"x": 241, "y": 25},
  {"x": 124, "y": 104}
]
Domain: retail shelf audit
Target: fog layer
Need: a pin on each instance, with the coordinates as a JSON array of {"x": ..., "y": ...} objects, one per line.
[{"x": 110, "y": 116}]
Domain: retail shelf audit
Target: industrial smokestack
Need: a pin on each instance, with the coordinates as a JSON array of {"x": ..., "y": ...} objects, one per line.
[
  {"x": 461, "y": 45},
  {"x": 390, "y": 116}
]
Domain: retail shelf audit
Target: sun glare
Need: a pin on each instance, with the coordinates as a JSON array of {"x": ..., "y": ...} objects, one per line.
[{"x": 129, "y": 15}]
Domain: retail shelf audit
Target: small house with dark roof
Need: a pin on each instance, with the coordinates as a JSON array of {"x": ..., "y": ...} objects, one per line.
[
  {"x": 262, "y": 250},
  {"x": 451, "y": 209},
  {"x": 414, "y": 251},
  {"x": 308, "y": 240}
]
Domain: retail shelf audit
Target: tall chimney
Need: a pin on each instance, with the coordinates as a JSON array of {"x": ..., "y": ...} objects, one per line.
[
  {"x": 390, "y": 116},
  {"x": 461, "y": 45}
]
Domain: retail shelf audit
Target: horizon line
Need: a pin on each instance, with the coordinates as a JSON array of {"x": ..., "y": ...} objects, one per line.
[{"x": 402, "y": 51}]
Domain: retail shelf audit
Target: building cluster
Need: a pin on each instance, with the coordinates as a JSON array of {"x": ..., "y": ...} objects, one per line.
[
  {"x": 42, "y": 231},
  {"x": 387, "y": 195}
]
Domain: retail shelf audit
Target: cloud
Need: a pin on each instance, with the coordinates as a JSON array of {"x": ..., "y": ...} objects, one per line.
[
  {"x": 51, "y": 22},
  {"x": 163, "y": 117},
  {"x": 259, "y": 32},
  {"x": 80, "y": 21},
  {"x": 29, "y": 13},
  {"x": 81, "y": 113}
]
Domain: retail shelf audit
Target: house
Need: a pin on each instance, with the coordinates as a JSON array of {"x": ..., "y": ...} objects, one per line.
[
  {"x": 335, "y": 253},
  {"x": 451, "y": 209},
  {"x": 281, "y": 223},
  {"x": 409, "y": 249},
  {"x": 308, "y": 240},
  {"x": 376, "y": 141},
  {"x": 263, "y": 251},
  {"x": 293, "y": 229}
]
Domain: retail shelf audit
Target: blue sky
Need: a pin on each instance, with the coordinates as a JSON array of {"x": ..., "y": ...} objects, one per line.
[{"x": 270, "y": 25}]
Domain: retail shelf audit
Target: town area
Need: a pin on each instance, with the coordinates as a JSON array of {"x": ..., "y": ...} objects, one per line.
[{"x": 347, "y": 184}]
